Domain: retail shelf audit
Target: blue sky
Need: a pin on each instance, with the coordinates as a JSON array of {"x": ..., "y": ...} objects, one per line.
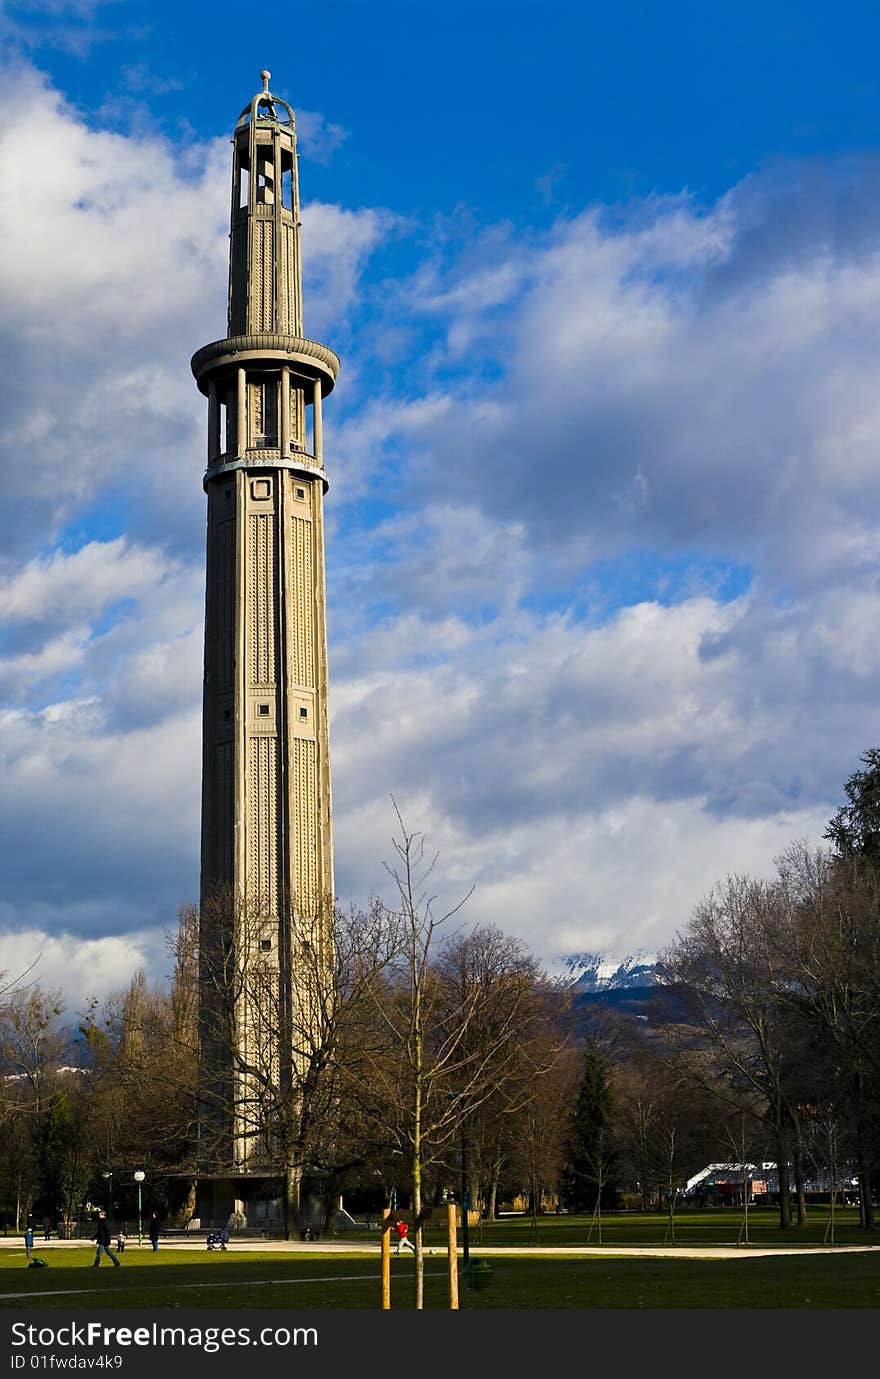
[
  {"x": 603, "y": 523},
  {"x": 472, "y": 102}
]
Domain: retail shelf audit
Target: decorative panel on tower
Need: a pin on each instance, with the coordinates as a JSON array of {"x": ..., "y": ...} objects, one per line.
[{"x": 302, "y": 611}]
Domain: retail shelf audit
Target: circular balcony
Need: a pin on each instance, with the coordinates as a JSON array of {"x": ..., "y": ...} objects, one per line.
[{"x": 307, "y": 359}]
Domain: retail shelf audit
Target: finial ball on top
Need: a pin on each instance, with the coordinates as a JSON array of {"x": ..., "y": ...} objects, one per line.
[{"x": 265, "y": 75}]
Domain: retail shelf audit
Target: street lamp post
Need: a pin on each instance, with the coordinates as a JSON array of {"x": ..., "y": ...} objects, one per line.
[
  {"x": 456, "y": 1100},
  {"x": 108, "y": 1176},
  {"x": 139, "y": 1177},
  {"x": 465, "y": 1199}
]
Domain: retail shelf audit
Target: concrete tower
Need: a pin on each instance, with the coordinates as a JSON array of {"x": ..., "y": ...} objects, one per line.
[{"x": 267, "y": 867}]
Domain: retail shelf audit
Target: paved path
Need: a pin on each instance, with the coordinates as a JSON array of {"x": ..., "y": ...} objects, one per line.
[{"x": 359, "y": 1247}]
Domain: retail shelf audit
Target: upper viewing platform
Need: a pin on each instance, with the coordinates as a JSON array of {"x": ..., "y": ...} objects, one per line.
[
  {"x": 261, "y": 377},
  {"x": 265, "y": 276}
]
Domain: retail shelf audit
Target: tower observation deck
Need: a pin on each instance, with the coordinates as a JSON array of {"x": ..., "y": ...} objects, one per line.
[{"x": 266, "y": 852}]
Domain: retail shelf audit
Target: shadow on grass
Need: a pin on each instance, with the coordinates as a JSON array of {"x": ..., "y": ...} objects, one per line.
[{"x": 264, "y": 1280}]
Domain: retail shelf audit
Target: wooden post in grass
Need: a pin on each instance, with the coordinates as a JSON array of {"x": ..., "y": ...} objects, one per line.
[
  {"x": 453, "y": 1257},
  {"x": 386, "y": 1259}
]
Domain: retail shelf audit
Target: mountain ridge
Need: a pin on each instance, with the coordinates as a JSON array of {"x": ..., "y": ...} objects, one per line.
[{"x": 595, "y": 973}]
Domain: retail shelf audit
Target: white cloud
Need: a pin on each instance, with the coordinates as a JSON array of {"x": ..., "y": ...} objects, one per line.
[
  {"x": 625, "y": 879},
  {"x": 105, "y": 290},
  {"x": 687, "y": 387},
  {"x": 100, "y": 572},
  {"x": 81, "y": 968},
  {"x": 595, "y": 780},
  {"x": 687, "y": 379},
  {"x": 114, "y": 271},
  {"x": 317, "y": 136},
  {"x": 524, "y": 718},
  {"x": 336, "y": 244},
  {"x": 95, "y": 814}
]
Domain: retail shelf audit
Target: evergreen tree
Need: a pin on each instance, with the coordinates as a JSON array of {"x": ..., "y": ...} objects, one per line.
[
  {"x": 63, "y": 1159},
  {"x": 855, "y": 828},
  {"x": 591, "y": 1150}
]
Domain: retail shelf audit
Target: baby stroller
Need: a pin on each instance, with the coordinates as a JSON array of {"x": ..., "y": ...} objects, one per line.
[{"x": 218, "y": 1240}]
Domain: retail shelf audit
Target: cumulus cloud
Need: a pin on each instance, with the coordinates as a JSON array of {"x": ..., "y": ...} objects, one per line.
[
  {"x": 683, "y": 378},
  {"x": 666, "y": 390},
  {"x": 602, "y": 540},
  {"x": 595, "y": 781},
  {"x": 45, "y": 590},
  {"x": 318, "y": 137},
  {"x": 526, "y": 718},
  {"x": 99, "y": 670},
  {"x": 103, "y": 289},
  {"x": 336, "y": 243},
  {"x": 113, "y": 274},
  {"x": 82, "y": 968},
  {"x": 114, "y": 271}
]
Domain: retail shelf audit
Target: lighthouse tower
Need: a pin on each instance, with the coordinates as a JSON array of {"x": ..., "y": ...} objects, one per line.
[{"x": 266, "y": 861}]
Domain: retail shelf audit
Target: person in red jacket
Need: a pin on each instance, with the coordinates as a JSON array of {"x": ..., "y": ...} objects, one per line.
[{"x": 402, "y": 1229}]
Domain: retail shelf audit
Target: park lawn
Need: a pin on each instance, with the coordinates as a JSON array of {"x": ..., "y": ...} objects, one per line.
[
  {"x": 693, "y": 1226},
  {"x": 801, "y": 1281},
  {"x": 174, "y": 1279}
]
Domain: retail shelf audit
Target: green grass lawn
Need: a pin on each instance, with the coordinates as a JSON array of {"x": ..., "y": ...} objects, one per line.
[
  {"x": 177, "y": 1278},
  {"x": 693, "y": 1226}
]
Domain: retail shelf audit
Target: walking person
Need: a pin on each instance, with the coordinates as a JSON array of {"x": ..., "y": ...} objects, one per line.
[
  {"x": 154, "y": 1231},
  {"x": 102, "y": 1237},
  {"x": 402, "y": 1229},
  {"x": 29, "y": 1238}
]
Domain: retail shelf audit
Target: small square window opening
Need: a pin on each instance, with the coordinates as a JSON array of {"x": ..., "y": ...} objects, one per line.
[
  {"x": 303, "y": 713},
  {"x": 265, "y": 945},
  {"x": 263, "y": 710},
  {"x": 301, "y": 494}
]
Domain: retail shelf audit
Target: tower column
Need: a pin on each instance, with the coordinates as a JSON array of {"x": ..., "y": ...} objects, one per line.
[
  {"x": 285, "y": 412},
  {"x": 241, "y": 413},
  {"x": 213, "y": 422},
  {"x": 317, "y": 424}
]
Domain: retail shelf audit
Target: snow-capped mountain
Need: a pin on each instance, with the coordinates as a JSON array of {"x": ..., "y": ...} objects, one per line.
[{"x": 590, "y": 973}]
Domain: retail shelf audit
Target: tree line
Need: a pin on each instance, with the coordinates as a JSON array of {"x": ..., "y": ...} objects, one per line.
[{"x": 419, "y": 1045}]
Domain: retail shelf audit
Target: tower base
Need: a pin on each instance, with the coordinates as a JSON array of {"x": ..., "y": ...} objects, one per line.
[
  {"x": 254, "y": 1204},
  {"x": 240, "y": 1204}
]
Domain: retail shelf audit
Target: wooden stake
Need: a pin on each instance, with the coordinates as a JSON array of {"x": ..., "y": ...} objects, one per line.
[
  {"x": 386, "y": 1259},
  {"x": 453, "y": 1258}
]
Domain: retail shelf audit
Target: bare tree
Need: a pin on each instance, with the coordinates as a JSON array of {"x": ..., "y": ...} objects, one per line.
[
  {"x": 729, "y": 968},
  {"x": 33, "y": 1052},
  {"x": 742, "y": 1134},
  {"x": 828, "y": 1147},
  {"x": 497, "y": 1128},
  {"x": 831, "y": 940},
  {"x": 638, "y": 1117},
  {"x": 32, "y": 1047},
  {"x": 283, "y": 1079},
  {"x": 540, "y": 1127},
  {"x": 455, "y": 1017}
]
